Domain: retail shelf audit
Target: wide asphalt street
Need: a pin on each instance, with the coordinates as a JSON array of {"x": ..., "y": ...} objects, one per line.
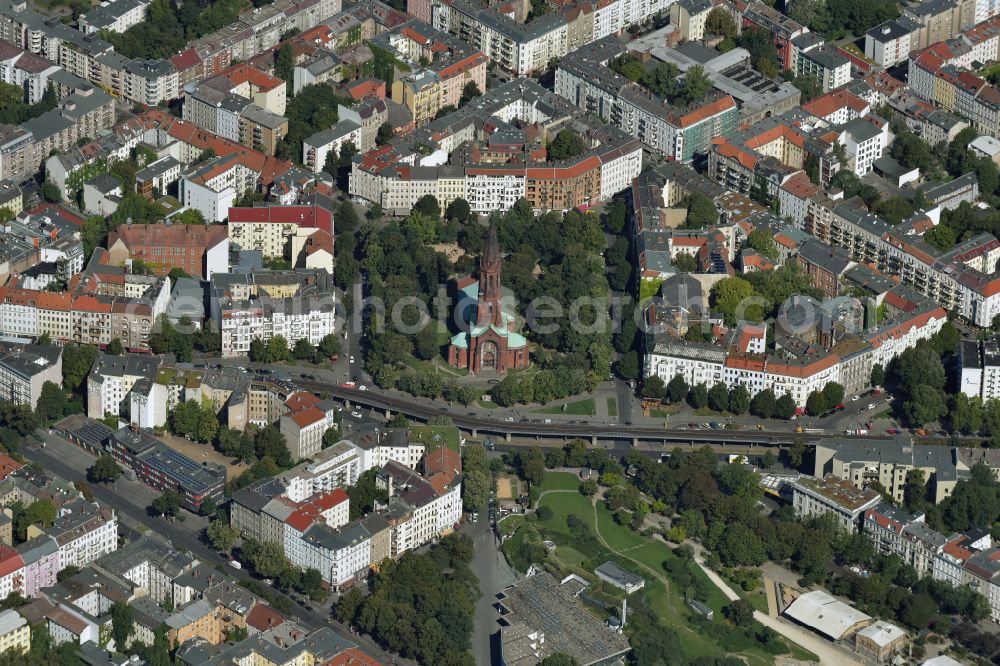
[{"x": 129, "y": 499}]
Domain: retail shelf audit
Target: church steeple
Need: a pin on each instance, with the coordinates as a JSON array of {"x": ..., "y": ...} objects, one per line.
[{"x": 490, "y": 265}]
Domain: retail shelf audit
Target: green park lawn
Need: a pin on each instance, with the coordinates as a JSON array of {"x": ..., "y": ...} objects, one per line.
[
  {"x": 612, "y": 407},
  {"x": 585, "y": 407},
  {"x": 643, "y": 556},
  {"x": 559, "y": 481}
]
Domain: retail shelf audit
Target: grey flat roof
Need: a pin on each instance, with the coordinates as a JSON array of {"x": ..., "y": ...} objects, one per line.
[{"x": 619, "y": 575}]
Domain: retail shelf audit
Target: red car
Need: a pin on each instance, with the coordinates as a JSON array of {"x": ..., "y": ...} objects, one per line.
[
  {"x": 891, "y": 431},
  {"x": 349, "y": 385}
]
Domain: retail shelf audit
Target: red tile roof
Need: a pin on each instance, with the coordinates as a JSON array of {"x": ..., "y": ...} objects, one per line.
[
  {"x": 8, "y": 465},
  {"x": 827, "y": 104},
  {"x": 302, "y": 215},
  {"x": 707, "y": 111},
  {"x": 10, "y": 561},
  {"x": 307, "y": 417},
  {"x": 353, "y": 657},
  {"x": 262, "y": 617}
]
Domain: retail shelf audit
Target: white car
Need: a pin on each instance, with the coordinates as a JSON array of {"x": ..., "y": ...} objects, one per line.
[
  {"x": 871, "y": 405},
  {"x": 235, "y": 564},
  {"x": 352, "y": 359},
  {"x": 362, "y": 388},
  {"x": 855, "y": 398},
  {"x": 356, "y": 415}
]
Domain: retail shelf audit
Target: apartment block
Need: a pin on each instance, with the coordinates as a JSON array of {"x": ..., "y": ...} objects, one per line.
[
  {"x": 242, "y": 311},
  {"x": 15, "y": 633},
  {"x": 25, "y": 368},
  {"x": 833, "y": 496},
  {"x": 584, "y": 79},
  {"x": 508, "y": 164},
  {"x": 196, "y": 250},
  {"x": 451, "y": 64}
]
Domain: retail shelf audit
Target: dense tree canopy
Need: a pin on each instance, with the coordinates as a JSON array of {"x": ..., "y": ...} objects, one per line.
[{"x": 422, "y": 604}]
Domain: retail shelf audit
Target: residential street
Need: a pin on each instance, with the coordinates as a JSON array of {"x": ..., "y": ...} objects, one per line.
[{"x": 130, "y": 499}]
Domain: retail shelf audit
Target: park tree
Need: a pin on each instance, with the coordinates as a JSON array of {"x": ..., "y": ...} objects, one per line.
[
  {"x": 531, "y": 465},
  {"x": 104, "y": 470},
  {"x": 740, "y": 545},
  {"x": 739, "y": 612},
  {"x": 917, "y": 610},
  {"x": 115, "y": 347},
  {"x": 427, "y": 205},
  {"x": 615, "y": 216},
  {"x": 459, "y": 209},
  {"x": 628, "y": 365}
]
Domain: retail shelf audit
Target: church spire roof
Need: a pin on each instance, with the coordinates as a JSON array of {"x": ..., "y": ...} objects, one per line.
[{"x": 490, "y": 261}]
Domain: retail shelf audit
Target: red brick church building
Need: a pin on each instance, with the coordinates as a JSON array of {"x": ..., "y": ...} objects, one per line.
[{"x": 489, "y": 342}]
